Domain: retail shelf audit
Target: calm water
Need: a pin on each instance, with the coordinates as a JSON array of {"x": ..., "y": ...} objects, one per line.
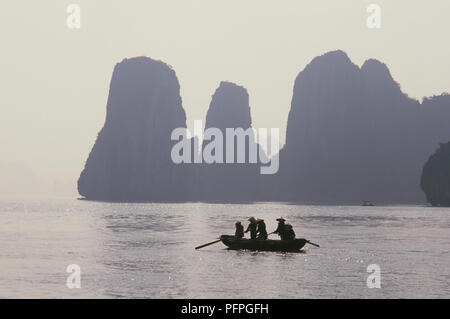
[{"x": 147, "y": 251}]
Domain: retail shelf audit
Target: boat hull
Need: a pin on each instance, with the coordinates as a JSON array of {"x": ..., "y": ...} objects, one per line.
[{"x": 263, "y": 245}]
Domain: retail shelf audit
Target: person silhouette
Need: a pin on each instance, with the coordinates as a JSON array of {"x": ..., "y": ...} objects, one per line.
[
  {"x": 252, "y": 227},
  {"x": 261, "y": 229},
  {"x": 239, "y": 233}
]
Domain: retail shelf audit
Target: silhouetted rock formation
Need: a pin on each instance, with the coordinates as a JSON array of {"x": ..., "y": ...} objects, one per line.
[
  {"x": 435, "y": 180},
  {"x": 131, "y": 159},
  {"x": 229, "y": 108},
  {"x": 352, "y": 134}
]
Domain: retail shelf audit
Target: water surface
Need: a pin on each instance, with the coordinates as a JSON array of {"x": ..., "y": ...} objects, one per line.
[{"x": 147, "y": 251}]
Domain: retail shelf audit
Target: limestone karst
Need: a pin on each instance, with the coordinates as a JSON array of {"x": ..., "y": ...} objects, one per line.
[
  {"x": 352, "y": 134},
  {"x": 435, "y": 181},
  {"x": 130, "y": 160}
]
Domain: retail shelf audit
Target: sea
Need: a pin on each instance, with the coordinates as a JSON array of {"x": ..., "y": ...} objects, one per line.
[{"x": 69, "y": 248}]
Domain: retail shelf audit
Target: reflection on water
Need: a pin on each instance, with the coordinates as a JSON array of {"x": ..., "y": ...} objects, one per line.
[{"x": 147, "y": 251}]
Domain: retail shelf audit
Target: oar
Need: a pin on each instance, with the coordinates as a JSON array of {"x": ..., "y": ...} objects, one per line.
[
  {"x": 213, "y": 242},
  {"x": 312, "y": 243}
]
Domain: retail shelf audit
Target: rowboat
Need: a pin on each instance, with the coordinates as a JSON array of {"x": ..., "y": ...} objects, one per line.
[
  {"x": 367, "y": 203},
  {"x": 234, "y": 243}
]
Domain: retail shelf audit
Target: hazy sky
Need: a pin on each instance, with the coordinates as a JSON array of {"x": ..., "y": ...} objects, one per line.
[{"x": 54, "y": 81}]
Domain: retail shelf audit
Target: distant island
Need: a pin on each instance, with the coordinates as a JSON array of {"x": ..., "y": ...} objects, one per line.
[
  {"x": 352, "y": 134},
  {"x": 435, "y": 180}
]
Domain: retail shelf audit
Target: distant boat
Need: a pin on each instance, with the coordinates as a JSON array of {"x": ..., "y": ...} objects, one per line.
[
  {"x": 367, "y": 203},
  {"x": 263, "y": 244}
]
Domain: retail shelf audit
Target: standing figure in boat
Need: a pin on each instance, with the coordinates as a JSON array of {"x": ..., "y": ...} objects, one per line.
[
  {"x": 239, "y": 231},
  {"x": 252, "y": 227},
  {"x": 261, "y": 229},
  {"x": 281, "y": 229}
]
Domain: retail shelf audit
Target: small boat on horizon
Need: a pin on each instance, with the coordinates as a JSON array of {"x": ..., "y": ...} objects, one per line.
[{"x": 367, "y": 203}]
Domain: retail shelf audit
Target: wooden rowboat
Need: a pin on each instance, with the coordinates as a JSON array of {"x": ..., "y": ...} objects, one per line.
[{"x": 263, "y": 245}]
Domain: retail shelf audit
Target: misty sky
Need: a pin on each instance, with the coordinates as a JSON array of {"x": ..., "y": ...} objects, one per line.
[{"x": 54, "y": 81}]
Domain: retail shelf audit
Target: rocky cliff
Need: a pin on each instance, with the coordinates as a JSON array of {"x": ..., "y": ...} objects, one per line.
[
  {"x": 435, "y": 181},
  {"x": 352, "y": 134},
  {"x": 130, "y": 160},
  {"x": 229, "y": 108}
]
